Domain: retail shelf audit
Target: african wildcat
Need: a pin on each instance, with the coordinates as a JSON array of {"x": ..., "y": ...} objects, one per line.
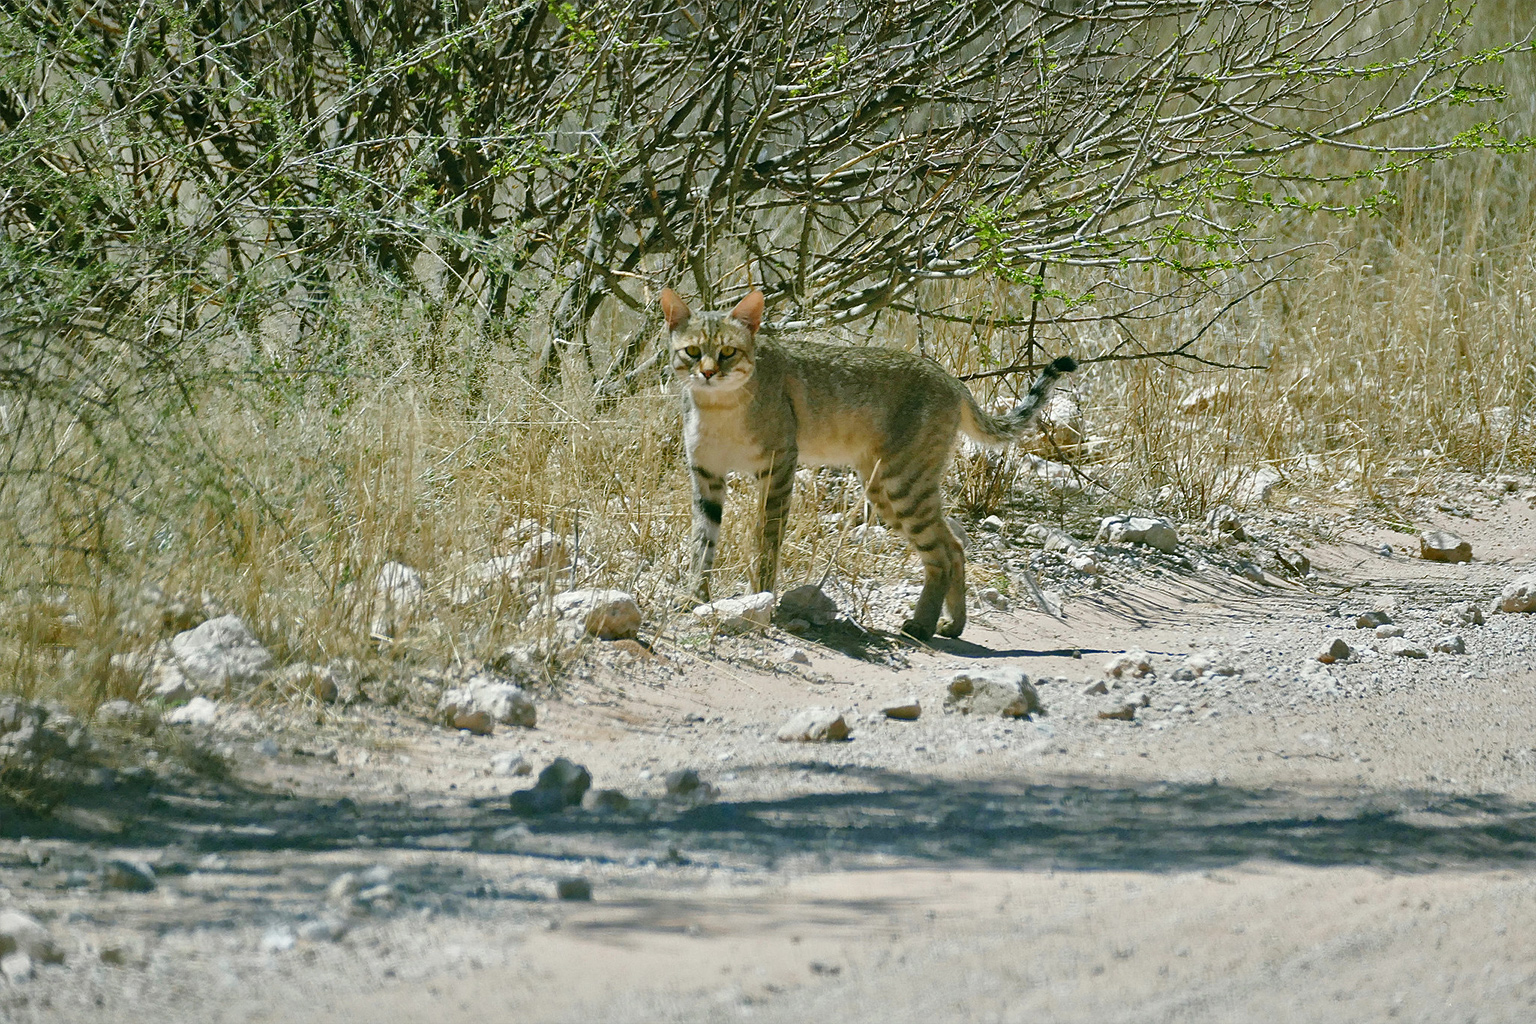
[{"x": 763, "y": 406}]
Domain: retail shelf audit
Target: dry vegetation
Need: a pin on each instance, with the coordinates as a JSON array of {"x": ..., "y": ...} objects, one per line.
[{"x": 286, "y": 473}]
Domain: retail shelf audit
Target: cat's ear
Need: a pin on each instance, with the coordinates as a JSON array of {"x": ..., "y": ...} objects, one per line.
[
  {"x": 749, "y": 311},
  {"x": 673, "y": 308}
]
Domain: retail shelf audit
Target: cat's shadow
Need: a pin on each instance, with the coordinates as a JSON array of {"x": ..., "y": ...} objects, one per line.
[{"x": 877, "y": 645}]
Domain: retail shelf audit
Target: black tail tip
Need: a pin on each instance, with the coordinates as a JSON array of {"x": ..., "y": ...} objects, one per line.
[{"x": 1063, "y": 364}]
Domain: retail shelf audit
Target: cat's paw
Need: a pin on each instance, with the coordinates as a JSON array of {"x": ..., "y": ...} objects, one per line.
[
  {"x": 918, "y": 630},
  {"x": 951, "y": 628}
]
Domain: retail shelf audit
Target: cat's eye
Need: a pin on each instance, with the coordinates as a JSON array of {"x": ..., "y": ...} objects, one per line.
[
  {"x": 727, "y": 352},
  {"x": 692, "y": 351}
]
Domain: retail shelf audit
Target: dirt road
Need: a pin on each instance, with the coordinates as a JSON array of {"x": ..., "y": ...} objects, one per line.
[{"x": 1290, "y": 842}]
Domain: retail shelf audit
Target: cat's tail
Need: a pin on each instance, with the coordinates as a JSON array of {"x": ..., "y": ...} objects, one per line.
[{"x": 985, "y": 428}]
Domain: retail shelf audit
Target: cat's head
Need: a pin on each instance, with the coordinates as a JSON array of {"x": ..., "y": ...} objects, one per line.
[{"x": 713, "y": 352}]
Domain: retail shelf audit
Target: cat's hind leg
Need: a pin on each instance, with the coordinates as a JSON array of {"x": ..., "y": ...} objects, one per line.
[
  {"x": 778, "y": 483},
  {"x": 913, "y": 507}
]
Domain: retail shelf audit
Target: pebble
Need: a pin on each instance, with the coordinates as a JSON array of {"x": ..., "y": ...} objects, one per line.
[
  {"x": 128, "y": 876},
  {"x": 561, "y": 784},
  {"x": 278, "y": 939},
  {"x": 605, "y": 801},
  {"x": 1450, "y": 644},
  {"x": 220, "y": 653},
  {"x": 197, "y": 711},
  {"x": 1462, "y": 613},
  {"x": 1095, "y": 689},
  {"x": 1519, "y": 595},
  {"x": 1372, "y": 619},
  {"x": 1337, "y": 650},
  {"x": 323, "y": 929},
  {"x": 906, "y": 711},
  {"x": 1127, "y": 528},
  {"x": 485, "y": 700},
  {"x": 1442, "y": 546},
  {"x": 22, "y": 933},
  {"x": 1135, "y": 664},
  {"x": 576, "y": 888},
  {"x": 808, "y": 602},
  {"x": 1388, "y": 631},
  {"x": 605, "y": 614},
  {"x": 796, "y": 656},
  {"x": 1124, "y": 713},
  {"x": 814, "y": 725},
  {"x": 1000, "y": 691},
  {"x": 17, "y": 967},
  {"x": 509, "y": 763},
  {"x": 738, "y": 614},
  {"x": 1405, "y": 649}
]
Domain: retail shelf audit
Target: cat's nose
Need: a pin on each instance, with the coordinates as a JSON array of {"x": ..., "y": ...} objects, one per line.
[{"x": 708, "y": 372}]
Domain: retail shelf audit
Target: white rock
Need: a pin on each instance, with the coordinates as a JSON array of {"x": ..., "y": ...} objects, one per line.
[
  {"x": 993, "y": 524},
  {"x": 1405, "y": 649},
  {"x": 167, "y": 683},
  {"x": 1209, "y": 662},
  {"x": 398, "y": 592},
  {"x": 25, "y": 934},
  {"x": 999, "y": 691},
  {"x": 1132, "y": 664},
  {"x": 1223, "y": 521},
  {"x": 278, "y": 939},
  {"x": 808, "y": 602},
  {"x": 504, "y": 702},
  {"x": 605, "y": 614},
  {"x": 796, "y": 656},
  {"x": 197, "y": 711},
  {"x": 814, "y": 725},
  {"x": 1084, "y": 562},
  {"x": 738, "y": 614},
  {"x": 221, "y": 653},
  {"x": 509, "y": 763},
  {"x": 1441, "y": 546},
  {"x": 17, "y": 968},
  {"x": 1519, "y": 595},
  {"x": 1133, "y": 529},
  {"x": 1462, "y": 613},
  {"x": 544, "y": 551},
  {"x": 1337, "y": 650},
  {"x": 1451, "y": 644},
  {"x": 1388, "y": 631}
]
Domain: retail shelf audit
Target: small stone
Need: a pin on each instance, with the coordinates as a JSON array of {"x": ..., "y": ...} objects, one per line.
[
  {"x": 1223, "y": 521},
  {"x": 993, "y": 597},
  {"x": 1462, "y": 613},
  {"x": 907, "y": 711},
  {"x": 1132, "y": 664},
  {"x": 343, "y": 890},
  {"x": 1519, "y": 595},
  {"x": 484, "y": 700},
  {"x": 118, "y": 710},
  {"x": 509, "y": 763},
  {"x": 814, "y": 725},
  {"x": 1388, "y": 631},
  {"x": 683, "y": 782},
  {"x": 17, "y": 968},
  {"x": 605, "y": 801},
  {"x": 577, "y": 888},
  {"x": 398, "y": 592},
  {"x": 738, "y": 614},
  {"x": 1441, "y": 546},
  {"x": 1372, "y": 619},
  {"x": 1294, "y": 562},
  {"x": 1133, "y": 529},
  {"x": 1451, "y": 644},
  {"x": 22, "y": 933},
  {"x": 197, "y": 711},
  {"x": 266, "y": 747},
  {"x": 1384, "y": 550},
  {"x": 808, "y": 602},
  {"x": 1085, "y": 562},
  {"x": 1002, "y": 691},
  {"x": 1209, "y": 662},
  {"x": 128, "y": 876},
  {"x": 605, "y": 614},
  {"x": 1404, "y": 649},
  {"x": 561, "y": 784},
  {"x": 1124, "y": 713},
  {"x": 1337, "y": 650},
  {"x": 1095, "y": 689},
  {"x": 1139, "y": 699},
  {"x": 993, "y": 524},
  {"x": 278, "y": 939},
  {"x": 798, "y": 657},
  {"x": 323, "y": 929},
  {"x": 221, "y": 653}
]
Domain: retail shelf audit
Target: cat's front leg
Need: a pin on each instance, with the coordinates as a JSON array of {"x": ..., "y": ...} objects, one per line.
[
  {"x": 778, "y": 481},
  {"x": 708, "y": 507}
]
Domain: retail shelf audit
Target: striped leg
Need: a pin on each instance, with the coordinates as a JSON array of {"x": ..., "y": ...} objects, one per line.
[
  {"x": 708, "y": 506},
  {"x": 911, "y": 503},
  {"x": 778, "y": 482}
]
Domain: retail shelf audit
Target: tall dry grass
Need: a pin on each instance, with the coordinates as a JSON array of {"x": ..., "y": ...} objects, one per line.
[{"x": 293, "y": 472}]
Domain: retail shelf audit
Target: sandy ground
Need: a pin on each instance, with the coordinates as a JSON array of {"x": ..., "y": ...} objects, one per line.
[{"x": 1297, "y": 842}]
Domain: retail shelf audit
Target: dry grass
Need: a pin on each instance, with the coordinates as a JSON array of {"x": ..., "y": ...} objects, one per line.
[{"x": 1406, "y": 339}]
